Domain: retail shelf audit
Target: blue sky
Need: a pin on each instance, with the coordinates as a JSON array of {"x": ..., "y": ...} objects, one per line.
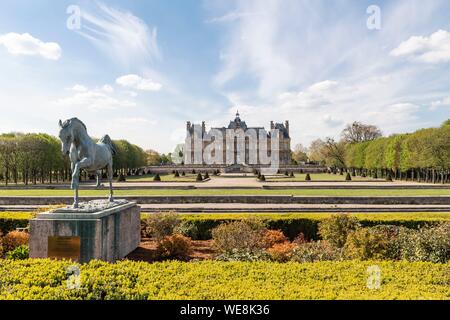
[{"x": 140, "y": 69}]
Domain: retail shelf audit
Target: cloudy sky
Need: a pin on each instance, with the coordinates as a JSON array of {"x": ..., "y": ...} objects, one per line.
[{"x": 140, "y": 69}]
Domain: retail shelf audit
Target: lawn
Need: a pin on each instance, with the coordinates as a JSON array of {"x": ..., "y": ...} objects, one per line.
[
  {"x": 164, "y": 178},
  {"x": 315, "y": 177},
  {"x": 236, "y": 192},
  {"x": 45, "y": 279}
]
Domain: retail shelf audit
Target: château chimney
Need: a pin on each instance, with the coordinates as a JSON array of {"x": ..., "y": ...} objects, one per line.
[{"x": 287, "y": 126}]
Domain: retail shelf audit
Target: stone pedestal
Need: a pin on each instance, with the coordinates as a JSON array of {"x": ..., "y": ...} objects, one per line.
[{"x": 98, "y": 229}]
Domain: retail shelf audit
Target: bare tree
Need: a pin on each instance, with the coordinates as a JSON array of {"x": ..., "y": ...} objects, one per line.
[{"x": 359, "y": 132}]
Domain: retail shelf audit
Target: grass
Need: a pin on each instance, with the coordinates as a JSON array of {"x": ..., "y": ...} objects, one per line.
[
  {"x": 164, "y": 178},
  {"x": 237, "y": 192},
  {"x": 315, "y": 177},
  {"x": 45, "y": 279}
]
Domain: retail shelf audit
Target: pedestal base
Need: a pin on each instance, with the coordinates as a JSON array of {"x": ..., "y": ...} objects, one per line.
[{"x": 97, "y": 230}]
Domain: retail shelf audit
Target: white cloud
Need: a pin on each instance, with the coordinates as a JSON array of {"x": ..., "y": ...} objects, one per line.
[
  {"x": 26, "y": 44},
  {"x": 107, "y": 88},
  {"x": 433, "y": 49},
  {"x": 79, "y": 88},
  {"x": 120, "y": 34},
  {"x": 230, "y": 17},
  {"x": 97, "y": 99},
  {"x": 138, "y": 83},
  {"x": 445, "y": 102}
]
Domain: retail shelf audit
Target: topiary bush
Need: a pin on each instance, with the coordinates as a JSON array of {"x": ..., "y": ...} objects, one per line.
[
  {"x": 19, "y": 253},
  {"x": 431, "y": 243},
  {"x": 177, "y": 174},
  {"x": 199, "y": 177},
  {"x": 244, "y": 255},
  {"x": 273, "y": 237},
  {"x": 175, "y": 246},
  {"x": 262, "y": 178},
  {"x": 157, "y": 177},
  {"x": 348, "y": 177},
  {"x": 160, "y": 225},
  {"x": 292, "y": 174},
  {"x": 282, "y": 252},
  {"x": 336, "y": 228},
  {"x": 14, "y": 239},
  {"x": 316, "y": 251},
  {"x": 206, "y": 176},
  {"x": 367, "y": 244},
  {"x": 239, "y": 235},
  {"x": 183, "y": 173},
  {"x": 307, "y": 177}
]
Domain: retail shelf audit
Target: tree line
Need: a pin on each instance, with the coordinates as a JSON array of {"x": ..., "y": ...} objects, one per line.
[
  {"x": 37, "y": 158},
  {"x": 423, "y": 155}
]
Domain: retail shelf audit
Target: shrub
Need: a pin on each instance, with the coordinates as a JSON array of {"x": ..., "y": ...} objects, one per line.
[
  {"x": 19, "y": 253},
  {"x": 316, "y": 251},
  {"x": 300, "y": 239},
  {"x": 336, "y": 228},
  {"x": 121, "y": 178},
  {"x": 239, "y": 235},
  {"x": 430, "y": 243},
  {"x": 193, "y": 171},
  {"x": 273, "y": 237},
  {"x": 244, "y": 255},
  {"x": 175, "y": 246},
  {"x": 348, "y": 177},
  {"x": 262, "y": 178},
  {"x": 308, "y": 177},
  {"x": 292, "y": 174},
  {"x": 282, "y": 252},
  {"x": 159, "y": 225},
  {"x": 14, "y": 239},
  {"x": 177, "y": 174},
  {"x": 286, "y": 173},
  {"x": 183, "y": 173},
  {"x": 206, "y": 175},
  {"x": 367, "y": 244},
  {"x": 199, "y": 177},
  {"x": 157, "y": 177}
]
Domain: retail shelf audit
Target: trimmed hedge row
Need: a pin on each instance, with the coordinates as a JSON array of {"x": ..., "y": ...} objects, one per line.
[
  {"x": 199, "y": 226},
  {"x": 45, "y": 279},
  {"x": 9, "y": 221}
]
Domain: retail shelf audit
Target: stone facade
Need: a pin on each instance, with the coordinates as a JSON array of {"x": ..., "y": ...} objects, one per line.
[{"x": 239, "y": 128}]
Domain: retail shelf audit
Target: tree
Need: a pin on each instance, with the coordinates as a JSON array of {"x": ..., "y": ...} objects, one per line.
[
  {"x": 153, "y": 158},
  {"x": 300, "y": 153},
  {"x": 358, "y": 132}
]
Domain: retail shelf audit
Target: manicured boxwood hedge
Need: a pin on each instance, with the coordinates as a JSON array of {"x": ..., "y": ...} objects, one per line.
[
  {"x": 9, "y": 221},
  {"x": 200, "y": 225},
  {"x": 46, "y": 279}
]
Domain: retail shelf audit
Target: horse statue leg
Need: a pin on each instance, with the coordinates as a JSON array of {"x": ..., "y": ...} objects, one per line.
[
  {"x": 110, "y": 177},
  {"x": 74, "y": 185},
  {"x": 98, "y": 173},
  {"x": 84, "y": 163}
]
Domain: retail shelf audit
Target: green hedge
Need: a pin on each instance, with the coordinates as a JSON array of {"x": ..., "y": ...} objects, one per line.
[
  {"x": 45, "y": 279},
  {"x": 9, "y": 221},
  {"x": 200, "y": 225}
]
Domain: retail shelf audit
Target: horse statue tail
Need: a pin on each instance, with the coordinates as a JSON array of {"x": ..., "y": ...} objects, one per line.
[{"x": 107, "y": 140}]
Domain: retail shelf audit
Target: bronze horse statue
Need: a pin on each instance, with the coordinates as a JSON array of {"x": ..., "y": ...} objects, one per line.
[{"x": 85, "y": 154}]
